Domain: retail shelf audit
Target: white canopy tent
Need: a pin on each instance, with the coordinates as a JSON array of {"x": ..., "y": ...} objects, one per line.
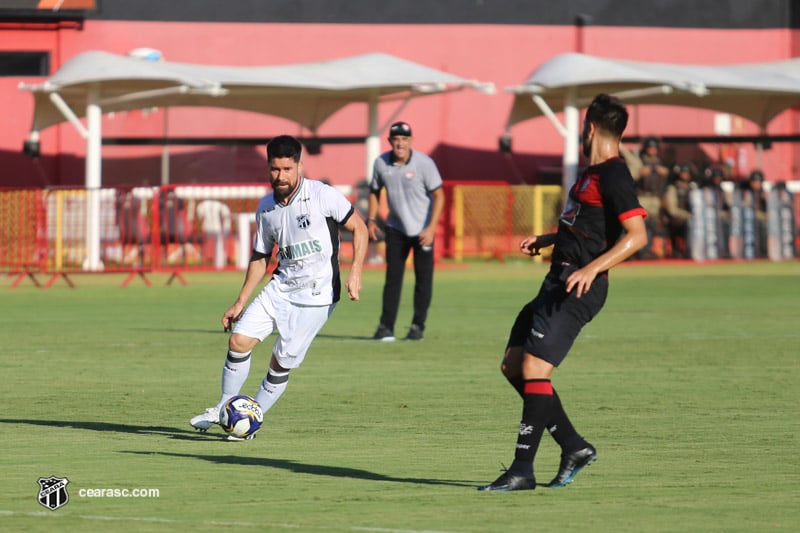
[
  {"x": 757, "y": 92},
  {"x": 95, "y": 82}
]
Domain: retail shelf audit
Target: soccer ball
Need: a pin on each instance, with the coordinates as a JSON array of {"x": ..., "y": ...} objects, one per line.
[{"x": 241, "y": 416}]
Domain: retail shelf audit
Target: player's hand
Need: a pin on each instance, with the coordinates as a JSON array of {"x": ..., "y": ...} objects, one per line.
[
  {"x": 353, "y": 285},
  {"x": 581, "y": 280},
  {"x": 373, "y": 229},
  {"x": 231, "y": 315},
  {"x": 427, "y": 236},
  {"x": 528, "y": 246}
]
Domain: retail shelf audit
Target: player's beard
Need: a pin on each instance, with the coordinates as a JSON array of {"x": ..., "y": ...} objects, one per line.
[
  {"x": 586, "y": 143},
  {"x": 282, "y": 192}
]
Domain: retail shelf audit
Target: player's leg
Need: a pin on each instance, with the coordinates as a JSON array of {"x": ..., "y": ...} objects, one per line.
[
  {"x": 423, "y": 289},
  {"x": 297, "y": 329},
  {"x": 576, "y": 452},
  {"x": 397, "y": 250},
  {"x": 255, "y": 324},
  {"x": 549, "y": 326},
  {"x": 511, "y": 366},
  {"x": 537, "y": 398}
]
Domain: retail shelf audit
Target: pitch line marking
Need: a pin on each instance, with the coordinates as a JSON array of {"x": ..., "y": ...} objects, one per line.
[{"x": 154, "y": 519}]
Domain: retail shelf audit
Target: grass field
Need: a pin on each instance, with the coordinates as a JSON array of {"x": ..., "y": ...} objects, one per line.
[{"x": 687, "y": 383}]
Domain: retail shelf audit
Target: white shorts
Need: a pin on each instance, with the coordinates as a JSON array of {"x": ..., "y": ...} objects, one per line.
[{"x": 297, "y": 325}]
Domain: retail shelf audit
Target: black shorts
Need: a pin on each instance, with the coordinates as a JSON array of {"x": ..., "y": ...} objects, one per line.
[{"x": 548, "y": 325}]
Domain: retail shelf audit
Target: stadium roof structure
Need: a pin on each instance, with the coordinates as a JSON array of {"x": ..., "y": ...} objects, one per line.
[
  {"x": 97, "y": 82},
  {"x": 756, "y": 91}
]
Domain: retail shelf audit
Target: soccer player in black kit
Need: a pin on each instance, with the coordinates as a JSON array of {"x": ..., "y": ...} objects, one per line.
[{"x": 602, "y": 225}]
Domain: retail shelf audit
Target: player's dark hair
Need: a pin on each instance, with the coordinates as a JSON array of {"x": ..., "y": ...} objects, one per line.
[
  {"x": 608, "y": 113},
  {"x": 284, "y": 146}
]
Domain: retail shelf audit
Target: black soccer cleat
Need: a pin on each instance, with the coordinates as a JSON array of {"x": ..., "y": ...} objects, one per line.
[
  {"x": 508, "y": 482},
  {"x": 414, "y": 333},
  {"x": 383, "y": 334},
  {"x": 571, "y": 464}
]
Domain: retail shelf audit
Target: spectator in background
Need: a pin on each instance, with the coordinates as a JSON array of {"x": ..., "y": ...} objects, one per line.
[
  {"x": 756, "y": 196},
  {"x": 416, "y": 200},
  {"x": 215, "y": 221},
  {"x": 650, "y": 182},
  {"x": 755, "y": 184},
  {"x": 714, "y": 176},
  {"x": 677, "y": 210}
]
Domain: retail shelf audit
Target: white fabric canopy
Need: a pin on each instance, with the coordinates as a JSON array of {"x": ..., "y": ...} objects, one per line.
[
  {"x": 306, "y": 93},
  {"x": 757, "y": 92},
  {"x": 95, "y": 82}
]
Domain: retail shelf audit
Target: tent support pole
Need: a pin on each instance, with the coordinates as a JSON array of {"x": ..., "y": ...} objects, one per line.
[
  {"x": 572, "y": 122},
  {"x": 373, "y": 137},
  {"x": 69, "y": 114},
  {"x": 94, "y": 115}
]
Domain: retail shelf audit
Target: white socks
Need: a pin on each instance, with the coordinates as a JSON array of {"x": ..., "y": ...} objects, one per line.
[
  {"x": 272, "y": 388},
  {"x": 234, "y": 374}
]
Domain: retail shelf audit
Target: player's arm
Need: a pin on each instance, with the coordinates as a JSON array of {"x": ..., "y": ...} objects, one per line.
[
  {"x": 532, "y": 245},
  {"x": 372, "y": 214},
  {"x": 428, "y": 234},
  {"x": 360, "y": 240},
  {"x": 632, "y": 240},
  {"x": 256, "y": 271}
]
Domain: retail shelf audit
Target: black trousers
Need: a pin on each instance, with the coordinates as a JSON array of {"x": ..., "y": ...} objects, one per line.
[{"x": 398, "y": 246}]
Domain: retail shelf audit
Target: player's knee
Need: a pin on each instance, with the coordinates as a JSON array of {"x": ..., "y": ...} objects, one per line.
[
  {"x": 511, "y": 367},
  {"x": 241, "y": 343}
]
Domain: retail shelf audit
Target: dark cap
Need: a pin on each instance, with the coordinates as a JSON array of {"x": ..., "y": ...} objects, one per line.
[
  {"x": 713, "y": 173},
  {"x": 756, "y": 175},
  {"x": 650, "y": 142},
  {"x": 400, "y": 128}
]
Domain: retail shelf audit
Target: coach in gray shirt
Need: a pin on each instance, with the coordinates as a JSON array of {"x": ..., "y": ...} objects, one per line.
[{"x": 416, "y": 199}]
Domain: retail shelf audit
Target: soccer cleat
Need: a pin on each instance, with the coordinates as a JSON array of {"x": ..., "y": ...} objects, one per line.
[
  {"x": 237, "y": 439},
  {"x": 383, "y": 334},
  {"x": 571, "y": 464},
  {"x": 204, "y": 420},
  {"x": 414, "y": 333},
  {"x": 508, "y": 482}
]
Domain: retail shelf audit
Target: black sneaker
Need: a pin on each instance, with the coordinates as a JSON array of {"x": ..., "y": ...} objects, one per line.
[
  {"x": 508, "y": 482},
  {"x": 571, "y": 464},
  {"x": 383, "y": 334},
  {"x": 414, "y": 333}
]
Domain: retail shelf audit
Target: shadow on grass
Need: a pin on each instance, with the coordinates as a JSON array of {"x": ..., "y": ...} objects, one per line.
[
  {"x": 345, "y": 337},
  {"x": 303, "y": 468},
  {"x": 171, "y": 432}
]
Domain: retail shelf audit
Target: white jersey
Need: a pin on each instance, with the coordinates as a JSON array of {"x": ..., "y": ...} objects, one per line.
[{"x": 306, "y": 232}]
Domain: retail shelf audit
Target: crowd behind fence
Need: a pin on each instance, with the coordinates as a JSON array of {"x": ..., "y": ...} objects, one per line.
[{"x": 210, "y": 227}]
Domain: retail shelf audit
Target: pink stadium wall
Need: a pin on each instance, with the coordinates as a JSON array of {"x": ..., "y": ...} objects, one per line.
[{"x": 461, "y": 129}]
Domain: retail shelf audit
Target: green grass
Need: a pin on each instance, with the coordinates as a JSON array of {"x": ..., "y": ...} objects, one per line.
[{"x": 687, "y": 383}]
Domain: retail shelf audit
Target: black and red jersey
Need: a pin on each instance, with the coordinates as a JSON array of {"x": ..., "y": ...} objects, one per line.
[{"x": 602, "y": 197}]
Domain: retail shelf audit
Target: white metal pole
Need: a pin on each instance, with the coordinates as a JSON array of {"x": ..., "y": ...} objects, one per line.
[
  {"x": 94, "y": 115},
  {"x": 373, "y": 137},
  {"x": 571, "y": 144},
  {"x": 165, "y": 150}
]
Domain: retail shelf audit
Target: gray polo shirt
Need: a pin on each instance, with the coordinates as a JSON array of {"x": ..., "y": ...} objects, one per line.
[{"x": 408, "y": 189}]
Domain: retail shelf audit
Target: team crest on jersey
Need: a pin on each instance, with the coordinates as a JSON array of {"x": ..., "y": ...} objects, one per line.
[
  {"x": 53, "y": 492},
  {"x": 303, "y": 221},
  {"x": 570, "y": 212},
  {"x": 409, "y": 175}
]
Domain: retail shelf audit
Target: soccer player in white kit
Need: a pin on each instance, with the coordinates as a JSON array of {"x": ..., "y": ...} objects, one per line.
[{"x": 302, "y": 218}]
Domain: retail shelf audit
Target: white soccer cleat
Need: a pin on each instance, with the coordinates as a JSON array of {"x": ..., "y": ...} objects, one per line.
[{"x": 204, "y": 420}]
